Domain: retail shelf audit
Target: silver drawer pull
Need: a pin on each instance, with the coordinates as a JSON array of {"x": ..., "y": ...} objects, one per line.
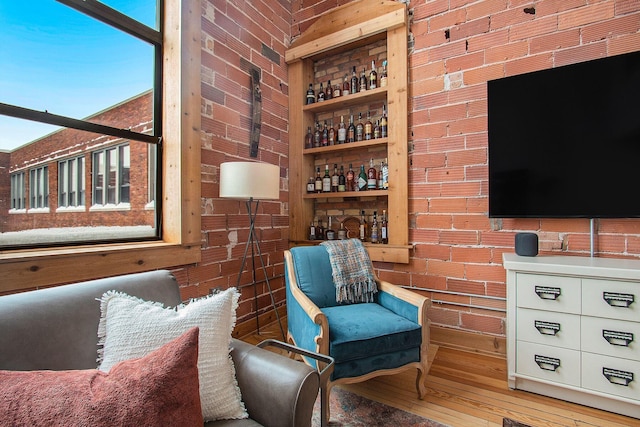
[
  {"x": 547, "y": 363},
  {"x": 547, "y": 292},
  {"x": 617, "y": 299},
  {"x": 622, "y": 339},
  {"x": 547, "y": 328},
  {"x": 618, "y": 377}
]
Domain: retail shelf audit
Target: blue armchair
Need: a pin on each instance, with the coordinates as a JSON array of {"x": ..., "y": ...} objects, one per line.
[{"x": 366, "y": 340}]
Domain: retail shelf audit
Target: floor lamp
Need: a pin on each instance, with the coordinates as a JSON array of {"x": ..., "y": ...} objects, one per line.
[{"x": 252, "y": 182}]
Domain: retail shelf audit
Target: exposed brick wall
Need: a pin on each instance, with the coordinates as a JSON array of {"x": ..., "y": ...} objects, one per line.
[{"x": 457, "y": 47}]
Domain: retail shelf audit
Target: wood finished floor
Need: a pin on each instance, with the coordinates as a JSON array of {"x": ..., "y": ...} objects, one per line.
[{"x": 465, "y": 389}]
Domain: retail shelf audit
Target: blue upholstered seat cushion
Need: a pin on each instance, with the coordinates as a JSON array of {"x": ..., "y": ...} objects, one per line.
[
  {"x": 358, "y": 331},
  {"x": 314, "y": 275}
]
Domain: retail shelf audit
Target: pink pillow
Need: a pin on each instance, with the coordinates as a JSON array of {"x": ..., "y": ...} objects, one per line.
[{"x": 158, "y": 389}]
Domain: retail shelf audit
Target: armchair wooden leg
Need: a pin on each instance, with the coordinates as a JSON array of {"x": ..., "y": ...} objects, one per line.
[
  {"x": 325, "y": 407},
  {"x": 421, "y": 378}
]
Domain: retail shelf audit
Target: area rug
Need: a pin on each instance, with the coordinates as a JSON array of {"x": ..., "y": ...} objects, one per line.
[{"x": 350, "y": 410}]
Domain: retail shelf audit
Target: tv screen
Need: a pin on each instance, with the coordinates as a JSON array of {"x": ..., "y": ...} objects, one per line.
[{"x": 565, "y": 142}]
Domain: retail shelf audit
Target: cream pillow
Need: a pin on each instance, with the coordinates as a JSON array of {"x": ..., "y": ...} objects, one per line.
[{"x": 131, "y": 328}]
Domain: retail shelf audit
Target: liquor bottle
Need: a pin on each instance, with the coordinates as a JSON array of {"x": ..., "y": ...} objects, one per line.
[
  {"x": 342, "y": 180},
  {"x": 311, "y": 95},
  {"x": 318, "y": 181},
  {"x": 326, "y": 181},
  {"x": 384, "y": 233},
  {"x": 376, "y": 130},
  {"x": 337, "y": 91},
  {"x": 328, "y": 94},
  {"x": 359, "y": 128},
  {"x": 373, "y": 76},
  {"x": 368, "y": 127},
  {"x": 354, "y": 81},
  {"x": 321, "y": 93},
  {"x": 351, "y": 177},
  {"x": 374, "y": 228},
  {"x": 335, "y": 178},
  {"x": 363, "y": 227},
  {"x": 362, "y": 179},
  {"x": 346, "y": 89},
  {"x": 383, "y": 74},
  {"x": 312, "y": 231},
  {"x": 332, "y": 134},
  {"x": 342, "y": 131},
  {"x": 342, "y": 232},
  {"x": 363, "y": 81},
  {"x": 311, "y": 185},
  {"x": 308, "y": 140},
  {"x": 385, "y": 175},
  {"x": 372, "y": 177},
  {"x": 325, "y": 135},
  {"x": 330, "y": 233},
  {"x": 317, "y": 136},
  {"x": 351, "y": 130},
  {"x": 320, "y": 230},
  {"x": 383, "y": 123},
  {"x": 382, "y": 166}
]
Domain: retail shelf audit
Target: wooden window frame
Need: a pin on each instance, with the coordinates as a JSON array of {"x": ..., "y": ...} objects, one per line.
[{"x": 180, "y": 180}]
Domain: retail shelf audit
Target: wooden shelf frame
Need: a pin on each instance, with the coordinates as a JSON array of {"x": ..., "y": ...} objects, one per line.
[{"x": 352, "y": 26}]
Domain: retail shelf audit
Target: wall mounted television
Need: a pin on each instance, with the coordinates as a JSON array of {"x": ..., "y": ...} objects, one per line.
[{"x": 565, "y": 142}]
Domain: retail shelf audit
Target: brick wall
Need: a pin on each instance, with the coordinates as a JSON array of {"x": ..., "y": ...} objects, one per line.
[{"x": 457, "y": 46}]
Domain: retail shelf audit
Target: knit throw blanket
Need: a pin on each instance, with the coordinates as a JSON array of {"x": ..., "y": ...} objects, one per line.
[{"x": 352, "y": 271}]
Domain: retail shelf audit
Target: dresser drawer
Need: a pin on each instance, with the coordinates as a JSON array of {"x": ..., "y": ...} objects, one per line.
[
  {"x": 559, "y": 365},
  {"x": 611, "y": 299},
  {"x": 618, "y": 338},
  {"x": 552, "y": 293},
  {"x": 548, "y": 327},
  {"x": 620, "y": 377}
]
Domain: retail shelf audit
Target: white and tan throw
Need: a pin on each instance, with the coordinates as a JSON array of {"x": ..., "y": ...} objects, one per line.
[{"x": 352, "y": 271}]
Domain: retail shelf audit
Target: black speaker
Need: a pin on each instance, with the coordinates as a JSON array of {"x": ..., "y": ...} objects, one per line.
[{"x": 527, "y": 244}]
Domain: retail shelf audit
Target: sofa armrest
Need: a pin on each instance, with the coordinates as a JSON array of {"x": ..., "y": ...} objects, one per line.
[{"x": 276, "y": 390}]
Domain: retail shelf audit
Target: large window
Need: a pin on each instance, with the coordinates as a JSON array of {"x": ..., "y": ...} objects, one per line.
[
  {"x": 111, "y": 177},
  {"x": 39, "y": 188},
  {"x": 71, "y": 183},
  {"x": 17, "y": 191}
]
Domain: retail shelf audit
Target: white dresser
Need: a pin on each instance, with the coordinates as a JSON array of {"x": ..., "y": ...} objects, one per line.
[{"x": 573, "y": 329}]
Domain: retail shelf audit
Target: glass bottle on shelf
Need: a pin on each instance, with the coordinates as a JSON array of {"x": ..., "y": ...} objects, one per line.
[
  {"x": 311, "y": 94},
  {"x": 311, "y": 185},
  {"x": 359, "y": 128},
  {"x": 335, "y": 178},
  {"x": 318, "y": 181},
  {"x": 385, "y": 175},
  {"x": 320, "y": 231},
  {"x": 332, "y": 134},
  {"x": 363, "y": 227},
  {"x": 376, "y": 130},
  {"x": 363, "y": 81},
  {"x": 337, "y": 91},
  {"x": 383, "y": 74},
  {"x": 324, "y": 141},
  {"x": 330, "y": 233},
  {"x": 346, "y": 89},
  {"x": 317, "y": 136},
  {"x": 328, "y": 93},
  {"x": 379, "y": 184},
  {"x": 373, "y": 76},
  {"x": 342, "y": 232},
  {"x": 362, "y": 179},
  {"x": 342, "y": 131},
  {"x": 354, "y": 81},
  {"x": 384, "y": 233},
  {"x": 368, "y": 127},
  {"x": 351, "y": 130},
  {"x": 374, "y": 228},
  {"x": 312, "y": 231},
  {"x": 351, "y": 177},
  {"x": 320, "y": 97},
  {"x": 372, "y": 177},
  {"x": 383, "y": 123},
  {"x": 342, "y": 180},
  {"x": 326, "y": 180},
  {"x": 308, "y": 140}
]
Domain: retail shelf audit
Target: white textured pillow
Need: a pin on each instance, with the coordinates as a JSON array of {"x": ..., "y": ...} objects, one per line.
[{"x": 131, "y": 328}]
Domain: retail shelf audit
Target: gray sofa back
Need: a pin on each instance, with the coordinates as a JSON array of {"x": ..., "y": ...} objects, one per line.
[{"x": 57, "y": 328}]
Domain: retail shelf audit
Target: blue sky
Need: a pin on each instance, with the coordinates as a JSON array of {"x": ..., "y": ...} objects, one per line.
[{"x": 56, "y": 59}]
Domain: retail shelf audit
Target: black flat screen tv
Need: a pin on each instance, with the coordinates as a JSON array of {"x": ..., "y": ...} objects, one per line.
[{"x": 565, "y": 142}]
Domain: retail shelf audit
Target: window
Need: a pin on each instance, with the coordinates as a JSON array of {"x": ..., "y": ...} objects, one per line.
[
  {"x": 39, "y": 188},
  {"x": 17, "y": 191},
  {"x": 71, "y": 183},
  {"x": 111, "y": 177}
]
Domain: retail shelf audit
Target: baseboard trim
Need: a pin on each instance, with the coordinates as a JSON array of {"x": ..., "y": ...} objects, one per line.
[{"x": 469, "y": 341}]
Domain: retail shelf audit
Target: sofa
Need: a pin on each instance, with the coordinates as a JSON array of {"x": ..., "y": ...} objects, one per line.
[{"x": 55, "y": 329}]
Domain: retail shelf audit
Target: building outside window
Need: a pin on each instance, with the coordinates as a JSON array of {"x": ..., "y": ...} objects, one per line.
[
  {"x": 39, "y": 188},
  {"x": 17, "y": 191},
  {"x": 71, "y": 183}
]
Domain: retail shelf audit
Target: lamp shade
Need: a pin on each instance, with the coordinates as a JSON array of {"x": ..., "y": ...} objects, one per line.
[{"x": 245, "y": 180}]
